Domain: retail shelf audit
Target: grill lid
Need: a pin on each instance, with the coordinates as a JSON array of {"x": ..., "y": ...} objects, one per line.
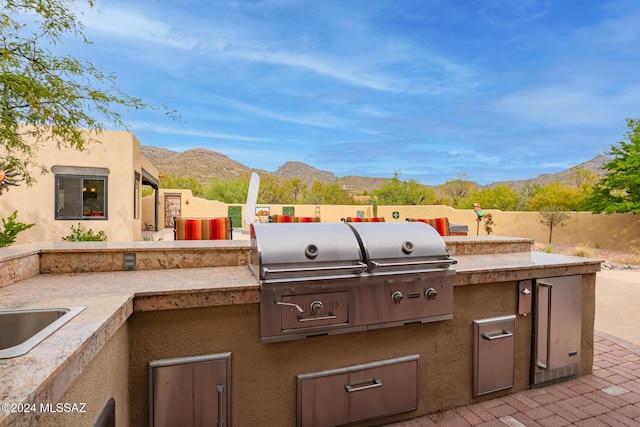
[
  {"x": 393, "y": 246},
  {"x": 289, "y": 250},
  {"x": 308, "y": 250}
]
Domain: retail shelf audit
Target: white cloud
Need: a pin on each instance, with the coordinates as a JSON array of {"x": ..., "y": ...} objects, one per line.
[
  {"x": 130, "y": 24},
  {"x": 362, "y": 64},
  {"x": 187, "y": 131},
  {"x": 336, "y": 69},
  {"x": 319, "y": 119},
  {"x": 508, "y": 13},
  {"x": 619, "y": 30},
  {"x": 564, "y": 106}
]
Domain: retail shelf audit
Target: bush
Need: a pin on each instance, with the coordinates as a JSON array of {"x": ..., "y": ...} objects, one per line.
[
  {"x": 10, "y": 229},
  {"x": 79, "y": 234},
  {"x": 582, "y": 252}
]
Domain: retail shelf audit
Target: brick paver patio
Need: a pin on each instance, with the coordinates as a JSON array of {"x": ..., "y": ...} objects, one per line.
[{"x": 608, "y": 397}]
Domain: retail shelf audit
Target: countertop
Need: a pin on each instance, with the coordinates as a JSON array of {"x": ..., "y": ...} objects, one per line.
[{"x": 44, "y": 374}]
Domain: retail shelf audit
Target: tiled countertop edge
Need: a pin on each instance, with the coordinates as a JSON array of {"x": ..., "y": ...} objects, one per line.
[
  {"x": 24, "y": 261},
  {"x": 476, "y": 270}
]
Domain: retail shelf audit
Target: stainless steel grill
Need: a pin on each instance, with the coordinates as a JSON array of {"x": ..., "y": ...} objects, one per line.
[{"x": 329, "y": 278}]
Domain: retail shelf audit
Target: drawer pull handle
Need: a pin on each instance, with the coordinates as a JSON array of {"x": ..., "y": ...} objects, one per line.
[
  {"x": 375, "y": 384},
  {"x": 503, "y": 334},
  {"x": 311, "y": 319}
]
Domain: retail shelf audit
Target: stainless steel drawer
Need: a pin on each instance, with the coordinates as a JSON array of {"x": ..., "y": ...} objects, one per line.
[
  {"x": 355, "y": 393},
  {"x": 494, "y": 353}
]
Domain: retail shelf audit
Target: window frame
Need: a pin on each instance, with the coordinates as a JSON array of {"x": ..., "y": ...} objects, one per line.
[
  {"x": 137, "y": 195},
  {"x": 82, "y": 178}
]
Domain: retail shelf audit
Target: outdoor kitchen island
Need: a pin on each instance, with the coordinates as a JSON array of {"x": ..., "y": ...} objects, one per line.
[{"x": 181, "y": 315}]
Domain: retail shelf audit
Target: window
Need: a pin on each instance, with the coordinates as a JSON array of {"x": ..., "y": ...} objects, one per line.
[{"x": 81, "y": 196}]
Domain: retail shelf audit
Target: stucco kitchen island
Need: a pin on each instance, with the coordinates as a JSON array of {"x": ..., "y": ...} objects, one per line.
[{"x": 199, "y": 298}]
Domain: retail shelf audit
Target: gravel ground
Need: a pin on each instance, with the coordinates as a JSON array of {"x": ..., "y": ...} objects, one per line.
[{"x": 612, "y": 259}]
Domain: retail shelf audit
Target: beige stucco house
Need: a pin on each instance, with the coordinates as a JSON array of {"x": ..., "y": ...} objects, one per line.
[{"x": 100, "y": 188}]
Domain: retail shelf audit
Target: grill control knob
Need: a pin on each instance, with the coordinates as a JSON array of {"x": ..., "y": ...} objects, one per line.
[
  {"x": 396, "y": 297},
  {"x": 315, "y": 307},
  {"x": 431, "y": 294}
]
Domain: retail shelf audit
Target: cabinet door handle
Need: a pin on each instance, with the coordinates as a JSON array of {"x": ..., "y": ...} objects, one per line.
[
  {"x": 220, "y": 406},
  {"x": 352, "y": 389},
  {"x": 543, "y": 335},
  {"x": 503, "y": 334}
]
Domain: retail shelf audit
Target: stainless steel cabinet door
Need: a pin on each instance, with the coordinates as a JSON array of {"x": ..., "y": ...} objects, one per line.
[
  {"x": 494, "y": 354},
  {"x": 557, "y": 328},
  {"x": 191, "y": 391},
  {"x": 173, "y": 396}
]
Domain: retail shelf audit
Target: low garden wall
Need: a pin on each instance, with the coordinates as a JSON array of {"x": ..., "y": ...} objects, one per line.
[{"x": 617, "y": 231}]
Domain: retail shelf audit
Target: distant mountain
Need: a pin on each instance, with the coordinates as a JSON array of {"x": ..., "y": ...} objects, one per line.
[
  {"x": 199, "y": 163},
  {"x": 307, "y": 174},
  {"x": 595, "y": 165},
  {"x": 360, "y": 184},
  {"x": 205, "y": 165}
]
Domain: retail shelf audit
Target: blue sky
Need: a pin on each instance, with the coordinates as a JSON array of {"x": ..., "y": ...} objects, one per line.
[{"x": 491, "y": 89}]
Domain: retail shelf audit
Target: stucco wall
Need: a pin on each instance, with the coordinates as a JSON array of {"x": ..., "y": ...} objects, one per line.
[
  {"x": 105, "y": 377},
  {"x": 120, "y": 153},
  {"x": 264, "y": 375},
  {"x": 618, "y": 231},
  {"x": 588, "y": 322},
  {"x": 190, "y": 206}
]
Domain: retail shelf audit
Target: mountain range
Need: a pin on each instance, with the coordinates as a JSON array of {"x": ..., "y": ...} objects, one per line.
[{"x": 204, "y": 165}]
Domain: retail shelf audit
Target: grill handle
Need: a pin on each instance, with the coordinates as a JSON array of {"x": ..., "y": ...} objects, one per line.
[
  {"x": 414, "y": 263},
  {"x": 360, "y": 266},
  {"x": 290, "y": 304},
  {"x": 311, "y": 319}
]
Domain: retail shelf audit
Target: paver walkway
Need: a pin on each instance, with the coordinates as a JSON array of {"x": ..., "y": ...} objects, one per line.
[{"x": 610, "y": 396}]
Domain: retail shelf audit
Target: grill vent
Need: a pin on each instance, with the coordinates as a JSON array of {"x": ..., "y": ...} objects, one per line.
[{"x": 557, "y": 374}]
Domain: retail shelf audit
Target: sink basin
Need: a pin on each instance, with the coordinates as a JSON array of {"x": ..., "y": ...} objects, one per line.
[{"x": 23, "y": 329}]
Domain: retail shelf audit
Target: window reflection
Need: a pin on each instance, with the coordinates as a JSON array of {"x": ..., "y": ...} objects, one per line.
[
  {"x": 93, "y": 198},
  {"x": 81, "y": 197}
]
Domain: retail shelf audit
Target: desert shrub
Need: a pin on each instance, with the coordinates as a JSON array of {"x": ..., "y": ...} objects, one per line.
[
  {"x": 80, "y": 234},
  {"x": 11, "y": 228},
  {"x": 582, "y": 252},
  {"x": 151, "y": 239}
]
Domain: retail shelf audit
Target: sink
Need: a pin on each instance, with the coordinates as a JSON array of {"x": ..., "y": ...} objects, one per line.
[{"x": 23, "y": 329}]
